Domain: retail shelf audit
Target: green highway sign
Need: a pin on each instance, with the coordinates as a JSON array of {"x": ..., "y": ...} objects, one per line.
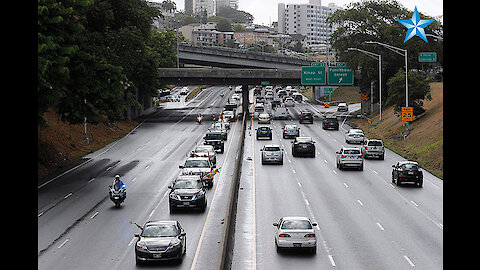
[
  {"x": 340, "y": 75},
  {"x": 314, "y": 76},
  {"x": 265, "y": 83},
  {"x": 328, "y": 90},
  {"x": 319, "y": 64},
  {"x": 427, "y": 57}
]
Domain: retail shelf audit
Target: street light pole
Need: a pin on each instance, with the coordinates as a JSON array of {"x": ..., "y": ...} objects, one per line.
[
  {"x": 402, "y": 52},
  {"x": 374, "y": 55}
]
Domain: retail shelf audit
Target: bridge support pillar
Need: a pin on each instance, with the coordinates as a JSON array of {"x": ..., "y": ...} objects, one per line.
[{"x": 245, "y": 100}]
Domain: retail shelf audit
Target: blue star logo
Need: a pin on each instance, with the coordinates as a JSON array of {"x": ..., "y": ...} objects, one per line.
[{"x": 415, "y": 26}]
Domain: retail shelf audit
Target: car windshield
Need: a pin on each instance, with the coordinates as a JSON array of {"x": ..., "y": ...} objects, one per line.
[
  {"x": 202, "y": 150},
  {"x": 272, "y": 148},
  {"x": 213, "y": 137},
  {"x": 374, "y": 143},
  {"x": 164, "y": 230},
  {"x": 352, "y": 151},
  {"x": 356, "y": 131},
  {"x": 187, "y": 185},
  {"x": 410, "y": 167},
  {"x": 192, "y": 163},
  {"x": 264, "y": 128},
  {"x": 296, "y": 224}
]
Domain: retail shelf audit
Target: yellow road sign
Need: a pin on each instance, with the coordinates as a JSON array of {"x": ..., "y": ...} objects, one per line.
[
  {"x": 364, "y": 96},
  {"x": 407, "y": 114}
]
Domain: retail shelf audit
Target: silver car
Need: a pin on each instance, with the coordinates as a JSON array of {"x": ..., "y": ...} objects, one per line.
[
  {"x": 272, "y": 154},
  {"x": 219, "y": 126},
  {"x": 291, "y": 131},
  {"x": 349, "y": 157},
  {"x": 355, "y": 136},
  {"x": 205, "y": 151},
  {"x": 295, "y": 232},
  {"x": 374, "y": 148}
]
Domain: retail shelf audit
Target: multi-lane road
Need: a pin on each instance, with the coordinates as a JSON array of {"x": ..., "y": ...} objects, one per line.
[{"x": 364, "y": 222}]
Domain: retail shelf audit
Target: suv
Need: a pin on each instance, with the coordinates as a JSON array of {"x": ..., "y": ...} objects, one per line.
[
  {"x": 220, "y": 127},
  {"x": 264, "y": 118},
  {"x": 349, "y": 157},
  {"x": 214, "y": 138},
  {"x": 198, "y": 166},
  {"x": 407, "y": 172},
  {"x": 330, "y": 122},
  {"x": 374, "y": 148},
  {"x": 264, "y": 132},
  {"x": 272, "y": 154},
  {"x": 187, "y": 191},
  {"x": 303, "y": 146},
  {"x": 205, "y": 151},
  {"x": 306, "y": 116},
  {"x": 291, "y": 131}
]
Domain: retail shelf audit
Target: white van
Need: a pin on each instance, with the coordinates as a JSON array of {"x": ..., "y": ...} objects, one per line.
[
  {"x": 280, "y": 112},
  {"x": 342, "y": 107}
]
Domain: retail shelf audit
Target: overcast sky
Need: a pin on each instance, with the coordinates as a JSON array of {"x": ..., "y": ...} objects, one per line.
[{"x": 265, "y": 11}]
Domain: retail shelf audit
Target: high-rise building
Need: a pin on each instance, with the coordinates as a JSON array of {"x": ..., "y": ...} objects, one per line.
[
  {"x": 204, "y": 7},
  {"x": 228, "y": 3},
  {"x": 188, "y": 6},
  {"x": 309, "y": 20}
]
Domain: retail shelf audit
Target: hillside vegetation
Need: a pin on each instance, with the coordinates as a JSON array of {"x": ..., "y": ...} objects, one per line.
[{"x": 424, "y": 144}]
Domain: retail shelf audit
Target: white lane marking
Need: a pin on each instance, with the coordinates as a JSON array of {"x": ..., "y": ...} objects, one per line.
[
  {"x": 294, "y": 171},
  {"x": 91, "y": 180},
  {"x": 331, "y": 260},
  {"x": 408, "y": 260},
  {"x": 414, "y": 203},
  {"x": 380, "y": 226},
  {"x": 374, "y": 171},
  {"x": 94, "y": 215},
  {"x": 68, "y": 195},
  {"x": 345, "y": 184},
  {"x": 62, "y": 244},
  {"x": 40, "y": 214},
  {"x": 306, "y": 201},
  {"x": 300, "y": 185},
  {"x": 135, "y": 178},
  {"x": 131, "y": 241},
  {"x": 334, "y": 171},
  {"x": 360, "y": 202}
]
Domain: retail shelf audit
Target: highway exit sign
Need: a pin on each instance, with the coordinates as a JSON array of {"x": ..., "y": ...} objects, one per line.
[
  {"x": 314, "y": 75},
  {"x": 427, "y": 57},
  {"x": 340, "y": 75}
]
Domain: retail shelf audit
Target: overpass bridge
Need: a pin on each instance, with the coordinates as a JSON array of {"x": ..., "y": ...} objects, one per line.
[{"x": 235, "y": 58}]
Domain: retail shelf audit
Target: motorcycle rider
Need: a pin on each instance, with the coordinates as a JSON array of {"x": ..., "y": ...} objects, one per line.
[
  {"x": 117, "y": 183},
  {"x": 199, "y": 118},
  {"x": 222, "y": 94}
]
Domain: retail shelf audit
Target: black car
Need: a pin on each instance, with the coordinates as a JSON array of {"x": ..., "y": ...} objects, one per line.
[
  {"x": 215, "y": 138},
  {"x": 264, "y": 132},
  {"x": 407, "y": 172},
  {"x": 330, "y": 122},
  {"x": 306, "y": 116},
  {"x": 187, "y": 191},
  {"x": 303, "y": 146},
  {"x": 160, "y": 241}
]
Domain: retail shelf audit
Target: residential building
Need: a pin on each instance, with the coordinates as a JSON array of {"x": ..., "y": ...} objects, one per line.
[
  {"x": 309, "y": 20},
  {"x": 206, "y": 8},
  {"x": 228, "y": 3}
]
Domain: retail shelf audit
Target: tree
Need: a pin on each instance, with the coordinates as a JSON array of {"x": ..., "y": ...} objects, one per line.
[
  {"x": 418, "y": 90},
  {"x": 377, "y": 21},
  {"x": 237, "y": 16},
  {"x": 223, "y": 24}
]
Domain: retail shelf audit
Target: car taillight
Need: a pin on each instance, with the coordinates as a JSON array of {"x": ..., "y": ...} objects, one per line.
[
  {"x": 310, "y": 235},
  {"x": 366, "y": 148},
  {"x": 342, "y": 156},
  {"x": 383, "y": 148},
  {"x": 360, "y": 156},
  {"x": 283, "y": 235}
]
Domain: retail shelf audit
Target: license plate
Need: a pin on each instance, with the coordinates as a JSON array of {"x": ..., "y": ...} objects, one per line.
[
  {"x": 116, "y": 197},
  {"x": 186, "y": 203},
  {"x": 304, "y": 146},
  {"x": 297, "y": 244},
  {"x": 410, "y": 172},
  {"x": 156, "y": 256}
]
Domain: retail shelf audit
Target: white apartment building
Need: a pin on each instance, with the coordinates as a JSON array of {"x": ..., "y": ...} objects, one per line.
[
  {"x": 229, "y": 3},
  {"x": 203, "y": 7},
  {"x": 309, "y": 20}
]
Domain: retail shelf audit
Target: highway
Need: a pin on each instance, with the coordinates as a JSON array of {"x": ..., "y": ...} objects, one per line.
[
  {"x": 364, "y": 221},
  {"x": 79, "y": 227}
]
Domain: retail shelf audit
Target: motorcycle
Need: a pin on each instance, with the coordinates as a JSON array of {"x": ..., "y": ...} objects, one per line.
[
  {"x": 222, "y": 94},
  {"x": 117, "y": 195},
  {"x": 199, "y": 120}
]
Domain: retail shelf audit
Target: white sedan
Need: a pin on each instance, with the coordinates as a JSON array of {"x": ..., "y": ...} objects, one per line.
[
  {"x": 264, "y": 118},
  {"x": 355, "y": 136},
  {"x": 295, "y": 232}
]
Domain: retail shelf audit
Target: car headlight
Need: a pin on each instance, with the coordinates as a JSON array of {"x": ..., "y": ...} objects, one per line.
[
  {"x": 174, "y": 196},
  {"x": 200, "y": 194},
  {"x": 141, "y": 245},
  {"x": 173, "y": 245}
]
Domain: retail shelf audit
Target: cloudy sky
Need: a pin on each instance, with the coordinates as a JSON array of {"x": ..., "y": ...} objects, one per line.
[{"x": 265, "y": 11}]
